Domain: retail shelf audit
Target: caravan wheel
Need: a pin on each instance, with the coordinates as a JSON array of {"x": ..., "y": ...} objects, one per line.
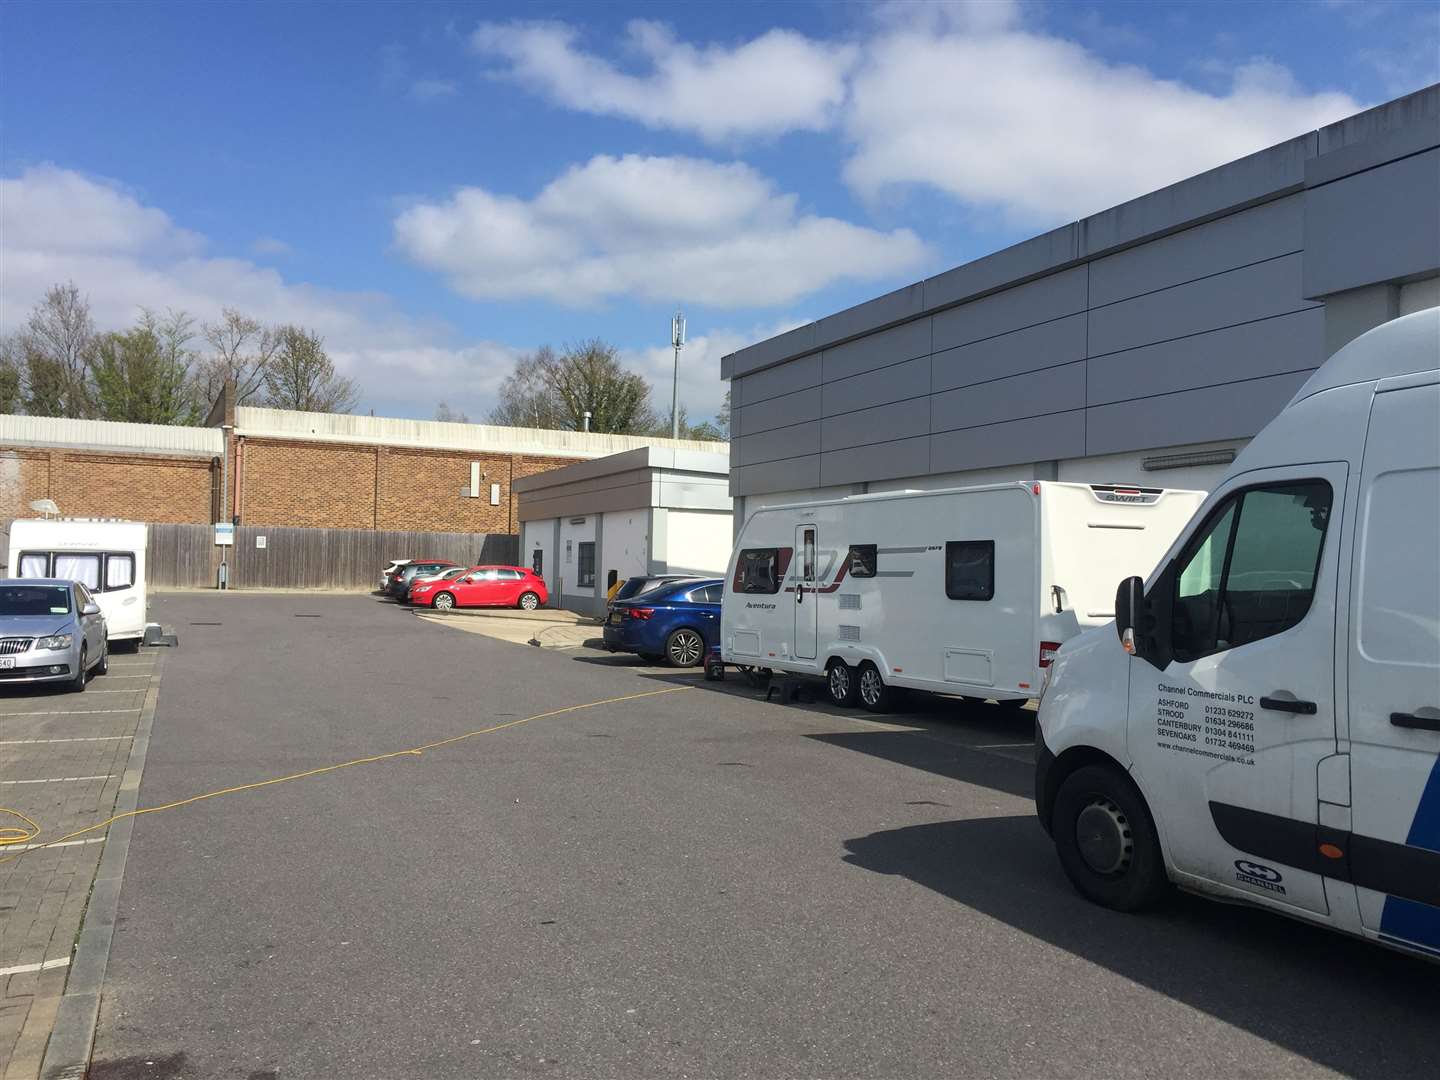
[
  {"x": 874, "y": 694},
  {"x": 844, "y": 686}
]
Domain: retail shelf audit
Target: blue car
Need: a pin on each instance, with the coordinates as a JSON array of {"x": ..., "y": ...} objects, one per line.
[{"x": 679, "y": 622}]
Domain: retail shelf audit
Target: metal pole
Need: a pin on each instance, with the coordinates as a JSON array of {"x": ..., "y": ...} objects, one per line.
[
  {"x": 225, "y": 514},
  {"x": 675, "y": 397}
]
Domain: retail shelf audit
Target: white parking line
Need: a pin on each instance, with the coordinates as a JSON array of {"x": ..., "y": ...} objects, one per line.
[
  {"x": 78, "y": 738},
  {"x": 62, "y": 843},
  {"x": 56, "y": 780},
  {"x": 1005, "y": 746},
  {"x": 44, "y": 965}
]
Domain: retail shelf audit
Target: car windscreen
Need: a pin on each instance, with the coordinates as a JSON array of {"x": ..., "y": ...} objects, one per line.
[{"x": 34, "y": 600}]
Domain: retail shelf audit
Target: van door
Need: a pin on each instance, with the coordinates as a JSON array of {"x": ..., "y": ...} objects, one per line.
[
  {"x": 1229, "y": 736},
  {"x": 807, "y": 624},
  {"x": 1394, "y": 672}
]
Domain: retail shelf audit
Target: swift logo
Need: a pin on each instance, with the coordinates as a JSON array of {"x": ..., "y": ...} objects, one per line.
[{"x": 1259, "y": 876}]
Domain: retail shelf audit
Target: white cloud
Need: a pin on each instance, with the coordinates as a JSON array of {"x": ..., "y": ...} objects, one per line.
[
  {"x": 657, "y": 228},
  {"x": 269, "y": 245},
  {"x": 433, "y": 89},
  {"x": 780, "y": 81},
  {"x": 1043, "y": 130},
  {"x": 59, "y": 225}
]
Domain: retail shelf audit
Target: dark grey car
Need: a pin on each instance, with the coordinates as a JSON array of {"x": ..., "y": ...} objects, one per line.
[
  {"x": 401, "y": 579},
  {"x": 51, "y": 630}
]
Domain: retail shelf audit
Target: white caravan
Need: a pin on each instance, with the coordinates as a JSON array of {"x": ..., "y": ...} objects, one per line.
[
  {"x": 964, "y": 591},
  {"x": 106, "y": 555},
  {"x": 1267, "y": 728}
]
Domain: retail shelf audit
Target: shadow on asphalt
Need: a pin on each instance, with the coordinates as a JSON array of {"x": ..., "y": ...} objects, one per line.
[
  {"x": 952, "y": 760},
  {"x": 1340, "y": 1002}
]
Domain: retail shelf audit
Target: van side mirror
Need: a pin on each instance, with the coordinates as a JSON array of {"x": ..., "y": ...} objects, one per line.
[
  {"x": 1143, "y": 621},
  {"x": 1130, "y": 613}
]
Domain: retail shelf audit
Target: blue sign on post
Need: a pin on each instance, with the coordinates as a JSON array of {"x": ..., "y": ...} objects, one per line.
[{"x": 224, "y": 534}]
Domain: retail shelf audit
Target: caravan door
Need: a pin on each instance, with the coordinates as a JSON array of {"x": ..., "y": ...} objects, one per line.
[{"x": 807, "y": 606}]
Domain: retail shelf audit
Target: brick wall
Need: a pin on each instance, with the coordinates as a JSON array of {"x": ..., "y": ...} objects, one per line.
[
  {"x": 348, "y": 485},
  {"x": 420, "y": 491},
  {"x": 141, "y": 487},
  {"x": 314, "y": 485}
]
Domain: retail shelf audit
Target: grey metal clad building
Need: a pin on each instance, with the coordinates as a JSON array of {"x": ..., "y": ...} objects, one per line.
[{"x": 1144, "y": 344}]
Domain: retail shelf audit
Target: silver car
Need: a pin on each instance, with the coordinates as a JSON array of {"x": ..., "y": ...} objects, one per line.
[{"x": 51, "y": 630}]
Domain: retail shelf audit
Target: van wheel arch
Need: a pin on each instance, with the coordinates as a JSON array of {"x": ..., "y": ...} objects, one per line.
[{"x": 1077, "y": 757}]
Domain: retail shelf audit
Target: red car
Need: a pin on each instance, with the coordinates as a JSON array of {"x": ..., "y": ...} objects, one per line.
[{"x": 485, "y": 586}]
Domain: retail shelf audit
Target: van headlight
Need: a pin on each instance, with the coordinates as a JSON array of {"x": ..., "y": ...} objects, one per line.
[{"x": 55, "y": 641}]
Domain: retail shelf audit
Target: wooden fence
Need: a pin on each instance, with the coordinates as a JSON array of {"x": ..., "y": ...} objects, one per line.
[{"x": 185, "y": 556}]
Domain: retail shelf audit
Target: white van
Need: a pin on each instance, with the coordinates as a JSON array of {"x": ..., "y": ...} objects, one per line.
[
  {"x": 106, "y": 555},
  {"x": 965, "y": 591},
  {"x": 1267, "y": 728}
]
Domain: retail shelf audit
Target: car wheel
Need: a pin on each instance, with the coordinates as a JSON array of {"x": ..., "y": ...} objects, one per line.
[
  {"x": 1106, "y": 840},
  {"x": 77, "y": 684},
  {"x": 874, "y": 694},
  {"x": 529, "y": 601},
  {"x": 841, "y": 681},
  {"x": 103, "y": 668},
  {"x": 684, "y": 648},
  {"x": 443, "y": 601}
]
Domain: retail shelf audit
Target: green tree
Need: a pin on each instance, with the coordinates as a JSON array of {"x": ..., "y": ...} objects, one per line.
[
  {"x": 143, "y": 375},
  {"x": 722, "y": 418},
  {"x": 56, "y": 345},
  {"x": 302, "y": 376},
  {"x": 12, "y": 367}
]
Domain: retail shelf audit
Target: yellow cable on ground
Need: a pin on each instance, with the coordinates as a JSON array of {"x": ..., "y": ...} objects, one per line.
[
  {"x": 14, "y": 834},
  {"x": 415, "y": 751}
]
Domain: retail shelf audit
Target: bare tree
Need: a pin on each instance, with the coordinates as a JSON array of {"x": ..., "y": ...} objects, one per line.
[
  {"x": 241, "y": 349},
  {"x": 525, "y": 400},
  {"x": 57, "y": 344},
  {"x": 302, "y": 376},
  {"x": 447, "y": 415},
  {"x": 556, "y": 391}
]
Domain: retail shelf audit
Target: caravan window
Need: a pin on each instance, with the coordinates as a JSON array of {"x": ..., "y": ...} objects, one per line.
[
  {"x": 862, "y": 560},
  {"x": 35, "y": 564},
  {"x": 119, "y": 572},
  {"x": 970, "y": 569},
  {"x": 82, "y": 568},
  {"x": 758, "y": 570}
]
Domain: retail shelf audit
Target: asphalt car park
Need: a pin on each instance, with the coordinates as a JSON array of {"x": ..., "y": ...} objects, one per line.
[{"x": 624, "y": 870}]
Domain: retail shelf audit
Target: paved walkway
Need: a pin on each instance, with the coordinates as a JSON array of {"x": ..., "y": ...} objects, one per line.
[
  {"x": 62, "y": 757},
  {"x": 552, "y": 628}
]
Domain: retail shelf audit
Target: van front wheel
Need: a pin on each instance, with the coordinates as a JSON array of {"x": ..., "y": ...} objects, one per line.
[{"x": 1106, "y": 840}]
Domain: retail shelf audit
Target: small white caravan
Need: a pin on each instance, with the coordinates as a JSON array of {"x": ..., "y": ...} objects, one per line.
[
  {"x": 1267, "y": 727},
  {"x": 106, "y": 555},
  {"x": 964, "y": 591}
]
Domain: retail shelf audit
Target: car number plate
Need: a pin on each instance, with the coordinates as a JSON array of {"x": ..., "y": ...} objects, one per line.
[{"x": 7, "y": 661}]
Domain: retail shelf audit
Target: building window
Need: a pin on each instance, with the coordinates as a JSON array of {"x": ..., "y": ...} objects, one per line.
[
  {"x": 970, "y": 569},
  {"x": 862, "y": 560},
  {"x": 586, "y": 571},
  {"x": 760, "y": 570}
]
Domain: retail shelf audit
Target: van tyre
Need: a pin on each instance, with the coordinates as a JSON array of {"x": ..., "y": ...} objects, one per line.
[
  {"x": 684, "y": 648},
  {"x": 77, "y": 684},
  {"x": 529, "y": 601},
  {"x": 1107, "y": 841},
  {"x": 843, "y": 682},
  {"x": 872, "y": 691},
  {"x": 443, "y": 601}
]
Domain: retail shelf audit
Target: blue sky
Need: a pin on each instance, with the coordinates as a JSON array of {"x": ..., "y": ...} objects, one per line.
[{"x": 439, "y": 187}]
